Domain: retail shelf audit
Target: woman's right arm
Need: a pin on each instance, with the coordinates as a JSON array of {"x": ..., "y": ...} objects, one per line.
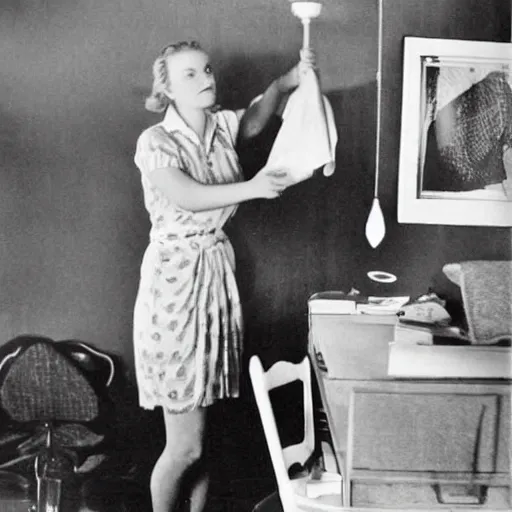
[{"x": 191, "y": 195}]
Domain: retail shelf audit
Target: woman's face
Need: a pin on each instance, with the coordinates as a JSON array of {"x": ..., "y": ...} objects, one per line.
[{"x": 191, "y": 80}]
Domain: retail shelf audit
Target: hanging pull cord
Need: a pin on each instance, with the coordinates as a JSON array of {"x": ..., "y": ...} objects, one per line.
[
  {"x": 375, "y": 229},
  {"x": 379, "y": 101}
]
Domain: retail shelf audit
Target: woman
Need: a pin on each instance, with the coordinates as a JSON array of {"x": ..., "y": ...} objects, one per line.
[{"x": 187, "y": 318}]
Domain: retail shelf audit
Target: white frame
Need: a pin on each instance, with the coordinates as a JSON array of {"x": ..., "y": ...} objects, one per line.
[{"x": 451, "y": 208}]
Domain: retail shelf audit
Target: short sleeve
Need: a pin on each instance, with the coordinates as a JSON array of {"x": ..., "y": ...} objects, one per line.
[
  {"x": 155, "y": 150},
  {"x": 230, "y": 121},
  {"x": 233, "y": 118}
]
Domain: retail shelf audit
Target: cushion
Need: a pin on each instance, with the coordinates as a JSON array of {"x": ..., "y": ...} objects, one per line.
[{"x": 486, "y": 288}]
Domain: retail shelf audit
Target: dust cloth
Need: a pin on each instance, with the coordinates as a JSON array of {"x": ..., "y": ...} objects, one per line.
[{"x": 307, "y": 138}]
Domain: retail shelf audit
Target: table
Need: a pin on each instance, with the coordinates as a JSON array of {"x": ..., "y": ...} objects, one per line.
[{"x": 437, "y": 444}]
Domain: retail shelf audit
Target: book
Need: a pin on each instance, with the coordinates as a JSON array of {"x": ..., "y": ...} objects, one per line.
[
  {"x": 334, "y": 303},
  {"x": 382, "y": 305},
  {"x": 425, "y": 334},
  {"x": 340, "y": 303},
  {"x": 416, "y": 360}
]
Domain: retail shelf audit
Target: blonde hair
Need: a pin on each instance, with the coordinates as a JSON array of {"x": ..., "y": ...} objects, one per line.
[{"x": 158, "y": 101}]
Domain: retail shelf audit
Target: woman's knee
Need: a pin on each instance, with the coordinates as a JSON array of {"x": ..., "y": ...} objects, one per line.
[
  {"x": 182, "y": 453},
  {"x": 184, "y": 438}
]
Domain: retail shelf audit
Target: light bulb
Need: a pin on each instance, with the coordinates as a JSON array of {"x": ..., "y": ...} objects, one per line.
[{"x": 375, "y": 226}]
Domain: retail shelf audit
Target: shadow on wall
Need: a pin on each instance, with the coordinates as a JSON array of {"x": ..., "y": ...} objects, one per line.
[
  {"x": 312, "y": 238},
  {"x": 309, "y": 239},
  {"x": 240, "y": 79}
]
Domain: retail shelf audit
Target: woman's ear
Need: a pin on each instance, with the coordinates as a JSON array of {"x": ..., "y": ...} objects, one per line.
[{"x": 168, "y": 92}]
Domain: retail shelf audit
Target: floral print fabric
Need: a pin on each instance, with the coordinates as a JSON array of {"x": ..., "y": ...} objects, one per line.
[{"x": 187, "y": 316}]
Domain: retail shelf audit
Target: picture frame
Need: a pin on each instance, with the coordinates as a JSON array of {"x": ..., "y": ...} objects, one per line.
[{"x": 455, "y": 161}]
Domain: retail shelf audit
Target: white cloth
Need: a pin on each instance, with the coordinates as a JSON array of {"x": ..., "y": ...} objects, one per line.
[{"x": 307, "y": 138}]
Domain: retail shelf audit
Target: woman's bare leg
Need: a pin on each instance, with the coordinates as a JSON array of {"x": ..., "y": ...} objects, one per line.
[
  {"x": 199, "y": 491},
  {"x": 184, "y": 444}
]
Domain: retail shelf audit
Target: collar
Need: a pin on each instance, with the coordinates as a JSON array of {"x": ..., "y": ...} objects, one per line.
[{"x": 173, "y": 122}]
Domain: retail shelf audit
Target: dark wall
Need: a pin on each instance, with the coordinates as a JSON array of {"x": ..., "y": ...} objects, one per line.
[
  {"x": 313, "y": 237},
  {"x": 73, "y": 76}
]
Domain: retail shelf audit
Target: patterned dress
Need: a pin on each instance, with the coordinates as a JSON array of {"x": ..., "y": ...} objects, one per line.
[{"x": 187, "y": 315}]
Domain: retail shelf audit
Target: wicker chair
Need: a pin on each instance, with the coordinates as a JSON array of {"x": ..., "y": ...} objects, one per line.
[{"x": 56, "y": 409}]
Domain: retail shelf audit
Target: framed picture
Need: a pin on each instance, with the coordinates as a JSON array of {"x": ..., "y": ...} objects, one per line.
[{"x": 455, "y": 163}]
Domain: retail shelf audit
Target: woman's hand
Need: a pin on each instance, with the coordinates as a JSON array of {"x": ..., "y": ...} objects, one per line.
[
  {"x": 269, "y": 184},
  {"x": 291, "y": 79},
  {"x": 273, "y": 99},
  {"x": 307, "y": 60}
]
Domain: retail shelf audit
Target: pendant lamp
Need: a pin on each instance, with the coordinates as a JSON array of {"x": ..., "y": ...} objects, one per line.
[{"x": 375, "y": 225}]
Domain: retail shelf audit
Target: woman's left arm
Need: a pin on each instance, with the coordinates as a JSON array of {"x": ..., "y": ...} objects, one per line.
[{"x": 258, "y": 114}]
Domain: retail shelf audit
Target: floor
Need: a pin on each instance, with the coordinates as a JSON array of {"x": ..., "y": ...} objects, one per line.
[{"x": 238, "y": 495}]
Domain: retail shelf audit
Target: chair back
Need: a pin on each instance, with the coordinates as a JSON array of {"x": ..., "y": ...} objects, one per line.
[
  {"x": 284, "y": 457},
  {"x": 99, "y": 367},
  {"x": 42, "y": 380}
]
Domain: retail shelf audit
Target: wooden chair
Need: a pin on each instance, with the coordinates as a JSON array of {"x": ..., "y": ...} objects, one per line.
[{"x": 309, "y": 488}]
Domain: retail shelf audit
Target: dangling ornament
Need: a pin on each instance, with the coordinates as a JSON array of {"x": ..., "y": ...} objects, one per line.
[{"x": 375, "y": 225}]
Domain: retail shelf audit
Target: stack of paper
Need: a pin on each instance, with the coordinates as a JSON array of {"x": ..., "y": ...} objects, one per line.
[
  {"x": 414, "y": 353},
  {"x": 449, "y": 361},
  {"x": 340, "y": 303},
  {"x": 425, "y": 334},
  {"x": 382, "y": 305},
  {"x": 334, "y": 303}
]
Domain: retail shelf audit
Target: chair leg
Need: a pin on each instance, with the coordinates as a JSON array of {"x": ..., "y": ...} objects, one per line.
[
  {"x": 48, "y": 494},
  {"x": 329, "y": 459}
]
